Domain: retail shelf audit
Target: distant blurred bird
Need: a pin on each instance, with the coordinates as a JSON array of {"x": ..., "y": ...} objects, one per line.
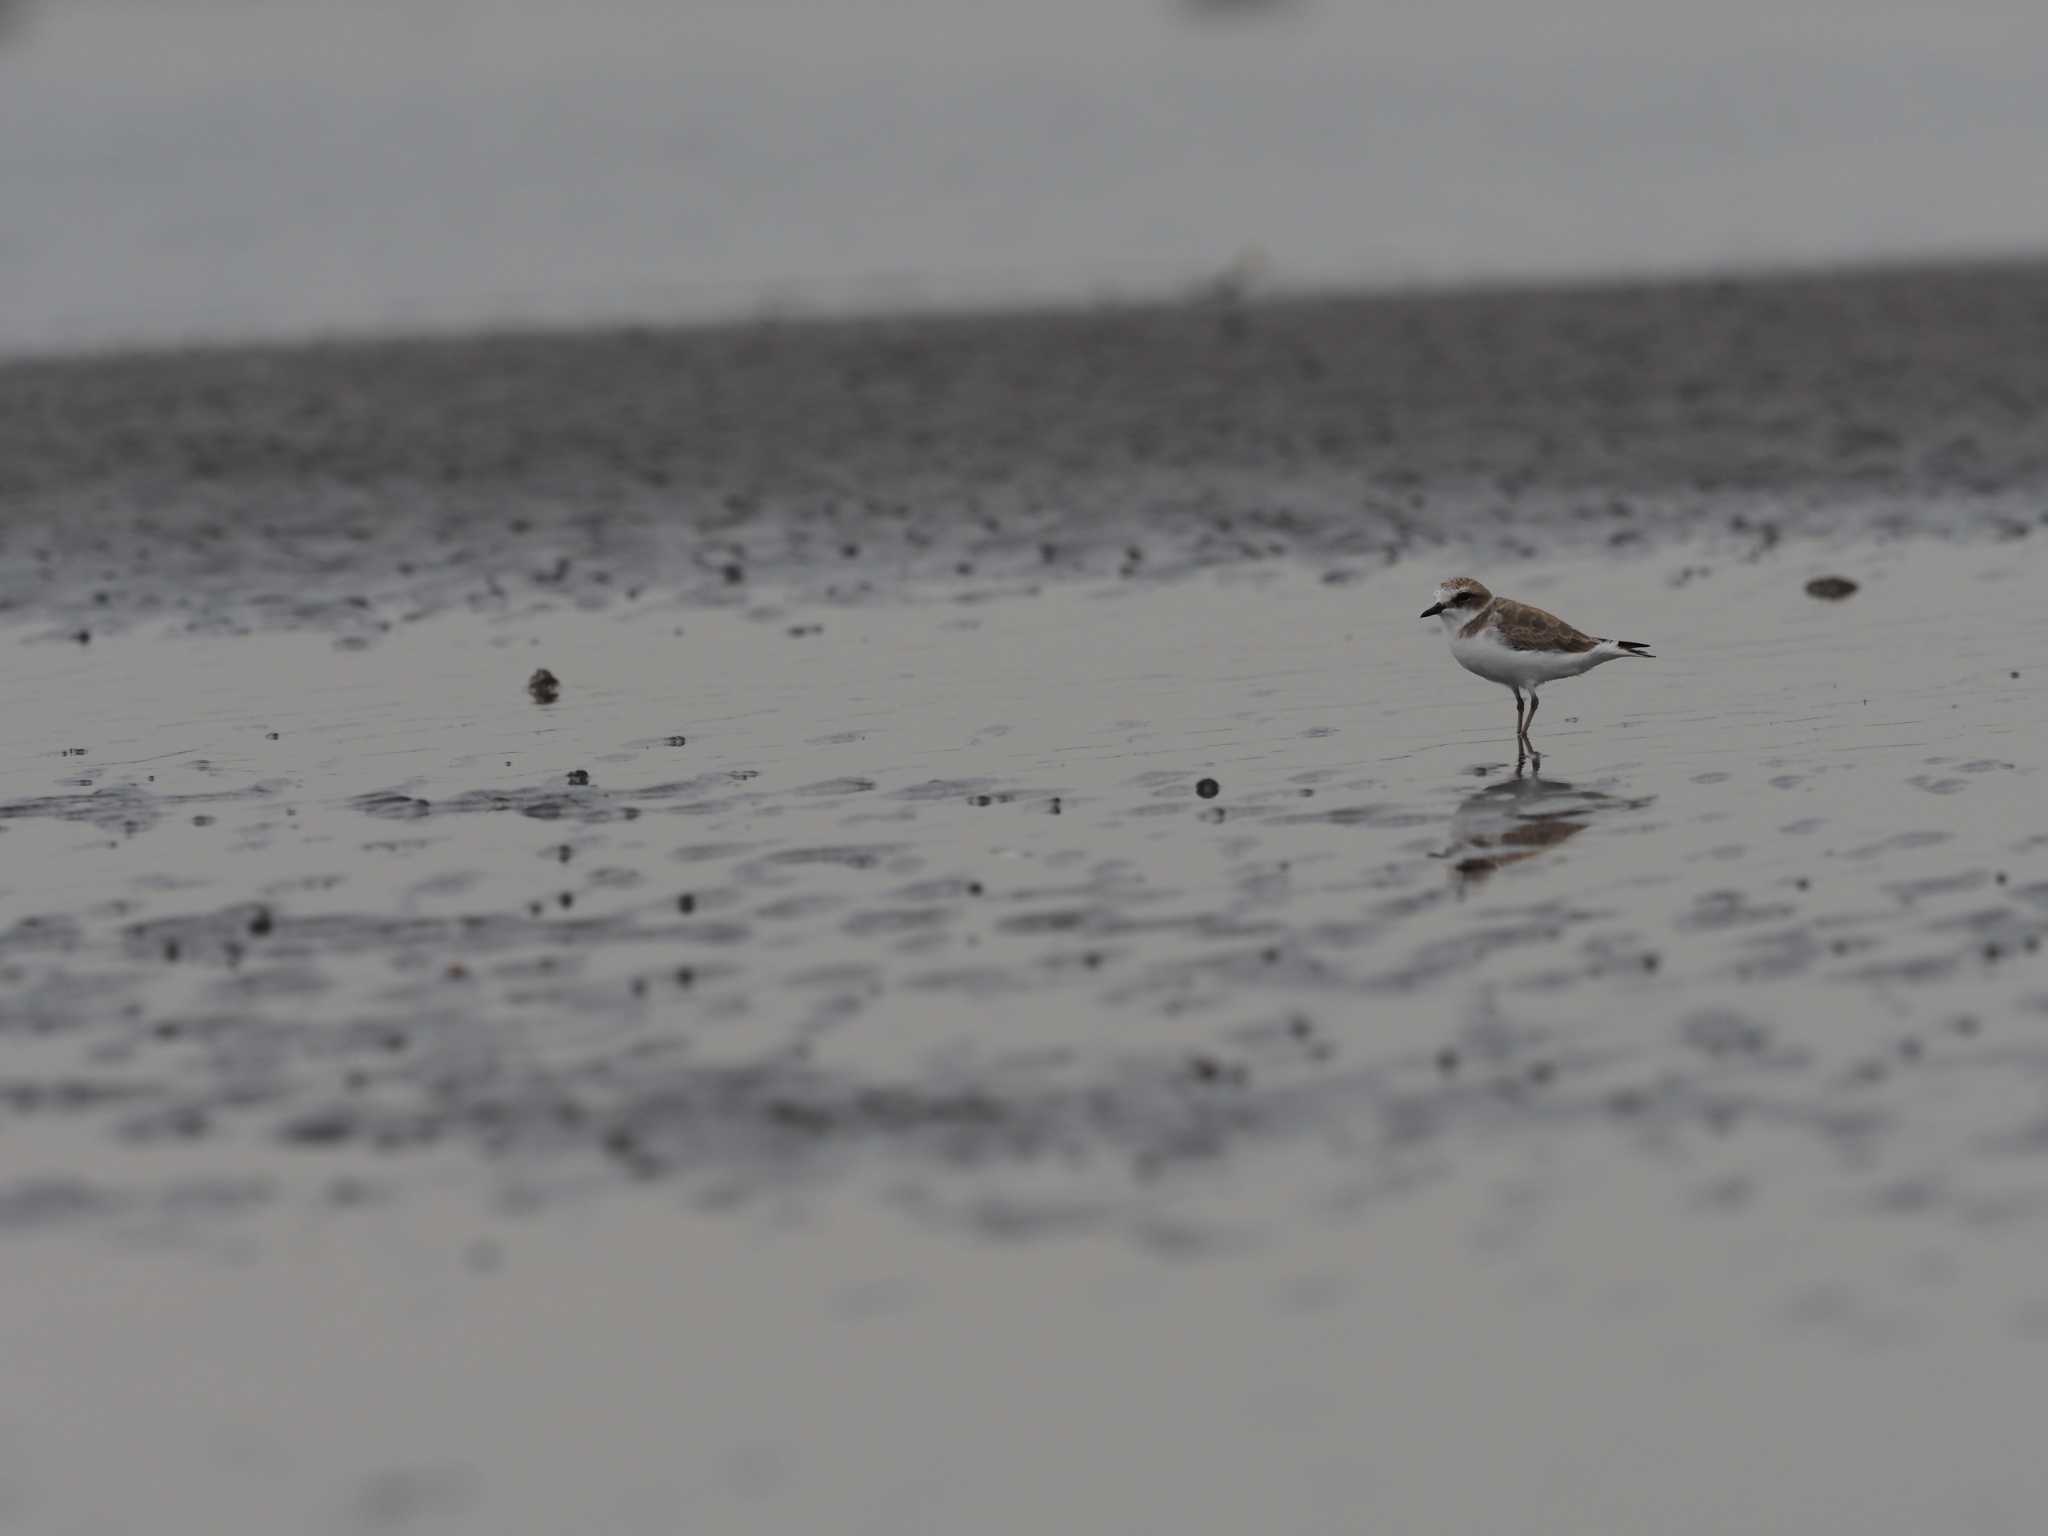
[
  {"x": 1518, "y": 646},
  {"x": 1207, "y": 9}
]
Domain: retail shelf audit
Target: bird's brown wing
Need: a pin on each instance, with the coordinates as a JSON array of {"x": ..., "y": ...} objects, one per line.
[{"x": 1531, "y": 629}]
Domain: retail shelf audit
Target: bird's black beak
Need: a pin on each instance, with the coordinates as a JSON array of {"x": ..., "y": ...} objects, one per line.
[{"x": 1430, "y": 613}]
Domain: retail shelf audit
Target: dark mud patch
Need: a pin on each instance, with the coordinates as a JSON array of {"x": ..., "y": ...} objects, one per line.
[
  {"x": 127, "y": 808},
  {"x": 357, "y": 488},
  {"x": 166, "y": 1209},
  {"x": 702, "y": 795}
]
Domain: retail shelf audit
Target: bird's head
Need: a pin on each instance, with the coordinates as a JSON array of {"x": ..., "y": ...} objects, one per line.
[{"x": 1458, "y": 599}]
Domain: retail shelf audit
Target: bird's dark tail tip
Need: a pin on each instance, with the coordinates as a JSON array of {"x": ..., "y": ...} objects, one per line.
[{"x": 1636, "y": 648}]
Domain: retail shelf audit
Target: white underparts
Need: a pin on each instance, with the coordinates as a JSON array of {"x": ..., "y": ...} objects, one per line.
[{"x": 1490, "y": 657}]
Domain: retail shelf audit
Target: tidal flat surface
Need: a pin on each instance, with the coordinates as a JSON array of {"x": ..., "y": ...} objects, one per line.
[{"x": 833, "y": 1068}]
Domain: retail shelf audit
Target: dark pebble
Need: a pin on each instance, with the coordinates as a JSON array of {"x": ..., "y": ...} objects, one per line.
[
  {"x": 1830, "y": 588},
  {"x": 544, "y": 687},
  {"x": 320, "y": 1128},
  {"x": 1208, "y": 789}
]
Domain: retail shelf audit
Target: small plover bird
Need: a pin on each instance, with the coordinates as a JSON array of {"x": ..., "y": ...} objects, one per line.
[{"x": 1517, "y": 646}]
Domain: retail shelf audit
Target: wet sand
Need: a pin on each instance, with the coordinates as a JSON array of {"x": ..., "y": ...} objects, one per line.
[
  {"x": 832, "y": 1068},
  {"x": 353, "y": 486}
]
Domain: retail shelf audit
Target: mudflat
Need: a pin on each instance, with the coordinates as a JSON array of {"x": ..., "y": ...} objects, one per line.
[{"x": 1011, "y": 983}]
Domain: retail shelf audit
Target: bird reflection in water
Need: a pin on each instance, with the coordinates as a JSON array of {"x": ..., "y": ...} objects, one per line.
[{"x": 1519, "y": 818}]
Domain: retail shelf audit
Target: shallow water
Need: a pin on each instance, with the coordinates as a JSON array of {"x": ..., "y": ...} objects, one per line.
[{"x": 886, "y": 1093}]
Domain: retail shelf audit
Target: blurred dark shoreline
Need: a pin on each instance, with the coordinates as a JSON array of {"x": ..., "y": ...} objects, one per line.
[{"x": 845, "y": 456}]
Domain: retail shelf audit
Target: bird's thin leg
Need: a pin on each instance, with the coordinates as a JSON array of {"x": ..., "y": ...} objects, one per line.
[
  {"x": 1534, "y": 700},
  {"x": 1518, "y": 715}
]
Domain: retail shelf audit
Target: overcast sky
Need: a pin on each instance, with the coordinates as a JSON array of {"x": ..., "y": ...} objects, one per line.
[{"x": 200, "y": 168}]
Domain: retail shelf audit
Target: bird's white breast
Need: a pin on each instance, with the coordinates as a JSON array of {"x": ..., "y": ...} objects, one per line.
[{"x": 1495, "y": 660}]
